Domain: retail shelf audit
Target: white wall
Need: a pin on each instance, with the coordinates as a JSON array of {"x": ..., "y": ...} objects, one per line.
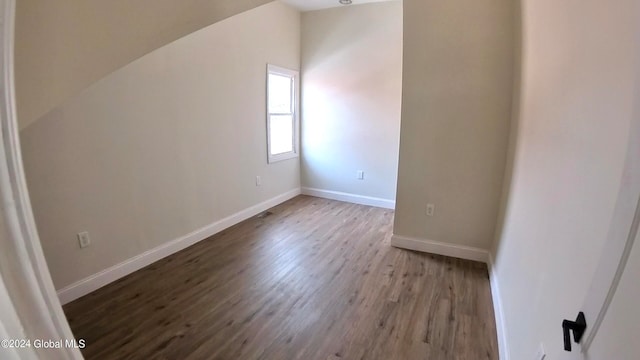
[
  {"x": 580, "y": 60},
  {"x": 351, "y": 94},
  {"x": 456, "y": 108},
  {"x": 162, "y": 147}
]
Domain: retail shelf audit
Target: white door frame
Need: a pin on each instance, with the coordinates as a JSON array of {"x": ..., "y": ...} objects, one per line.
[
  {"x": 32, "y": 308},
  {"x": 621, "y": 236}
]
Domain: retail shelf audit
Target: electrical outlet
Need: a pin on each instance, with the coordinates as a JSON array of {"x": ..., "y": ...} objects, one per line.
[
  {"x": 258, "y": 180},
  {"x": 431, "y": 209},
  {"x": 540, "y": 354},
  {"x": 83, "y": 239},
  {"x": 360, "y": 175}
]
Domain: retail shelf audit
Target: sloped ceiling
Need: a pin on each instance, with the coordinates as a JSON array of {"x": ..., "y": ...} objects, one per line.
[{"x": 62, "y": 47}]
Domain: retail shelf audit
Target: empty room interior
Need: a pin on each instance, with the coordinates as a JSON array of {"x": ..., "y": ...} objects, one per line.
[{"x": 321, "y": 179}]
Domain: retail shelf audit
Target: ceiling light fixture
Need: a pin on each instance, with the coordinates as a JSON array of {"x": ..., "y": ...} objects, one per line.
[{"x": 345, "y": 2}]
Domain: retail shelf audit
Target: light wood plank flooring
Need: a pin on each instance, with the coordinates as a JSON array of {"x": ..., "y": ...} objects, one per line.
[{"x": 317, "y": 279}]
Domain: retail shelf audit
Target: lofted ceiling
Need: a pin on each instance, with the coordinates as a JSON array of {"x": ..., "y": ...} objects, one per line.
[{"x": 308, "y": 5}]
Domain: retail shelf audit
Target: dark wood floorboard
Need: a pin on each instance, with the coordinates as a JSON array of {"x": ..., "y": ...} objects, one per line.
[{"x": 317, "y": 279}]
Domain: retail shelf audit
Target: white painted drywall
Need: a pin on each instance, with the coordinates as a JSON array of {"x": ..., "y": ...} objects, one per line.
[
  {"x": 351, "y": 95},
  {"x": 162, "y": 147},
  {"x": 456, "y": 109},
  {"x": 580, "y": 60}
]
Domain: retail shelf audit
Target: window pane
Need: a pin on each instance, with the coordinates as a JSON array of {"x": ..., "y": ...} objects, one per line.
[
  {"x": 281, "y": 132},
  {"x": 279, "y": 94}
]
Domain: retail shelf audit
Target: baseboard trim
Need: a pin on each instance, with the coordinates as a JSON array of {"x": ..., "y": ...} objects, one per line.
[
  {"x": 351, "y": 198},
  {"x": 440, "y": 248},
  {"x": 501, "y": 330},
  {"x": 109, "y": 275}
]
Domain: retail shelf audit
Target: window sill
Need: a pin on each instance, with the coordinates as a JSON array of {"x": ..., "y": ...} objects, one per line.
[{"x": 281, "y": 157}]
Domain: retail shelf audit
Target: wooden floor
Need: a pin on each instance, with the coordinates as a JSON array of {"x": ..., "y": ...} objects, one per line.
[{"x": 317, "y": 279}]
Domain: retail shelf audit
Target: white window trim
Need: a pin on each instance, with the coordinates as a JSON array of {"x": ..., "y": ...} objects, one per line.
[{"x": 272, "y": 69}]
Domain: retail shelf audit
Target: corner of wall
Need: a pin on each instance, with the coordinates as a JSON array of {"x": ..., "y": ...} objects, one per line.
[{"x": 501, "y": 329}]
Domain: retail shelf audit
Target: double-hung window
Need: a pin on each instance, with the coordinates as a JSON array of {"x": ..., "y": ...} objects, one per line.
[{"x": 282, "y": 120}]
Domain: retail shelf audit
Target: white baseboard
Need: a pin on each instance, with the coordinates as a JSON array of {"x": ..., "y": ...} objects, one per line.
[
  {"x": 440, "y": 248},
  {"x": 501, "y": 330},
  {"x": 352, "y": 198},
  {"x": 104, "y": 277}
]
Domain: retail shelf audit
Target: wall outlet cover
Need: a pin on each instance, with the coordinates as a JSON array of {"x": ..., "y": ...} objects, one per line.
[
  {"x": 431, "y": 209},
  {"x": 83, "y": 239}
]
